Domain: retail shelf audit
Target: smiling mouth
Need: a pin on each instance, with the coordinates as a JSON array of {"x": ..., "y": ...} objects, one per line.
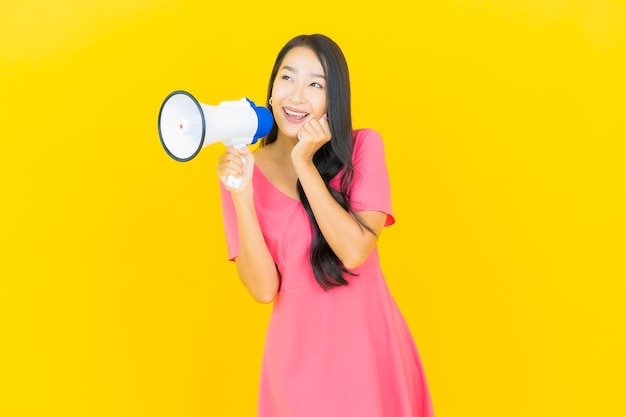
[{"x": 295, "y": 115}]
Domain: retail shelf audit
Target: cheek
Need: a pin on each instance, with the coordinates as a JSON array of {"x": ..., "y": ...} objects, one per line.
[
  {"x": 278, "y": 92},
  {"x": 320, "y": 103}
]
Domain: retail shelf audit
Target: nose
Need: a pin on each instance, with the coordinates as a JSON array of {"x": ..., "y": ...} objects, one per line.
[{"x": 297, "y": 94}]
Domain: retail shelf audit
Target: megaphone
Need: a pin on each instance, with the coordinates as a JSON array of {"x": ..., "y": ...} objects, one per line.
[{"x": 186, "y": 125}]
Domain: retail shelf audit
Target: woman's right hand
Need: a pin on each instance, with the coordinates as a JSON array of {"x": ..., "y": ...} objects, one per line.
[{"x": 238, "y": 162}]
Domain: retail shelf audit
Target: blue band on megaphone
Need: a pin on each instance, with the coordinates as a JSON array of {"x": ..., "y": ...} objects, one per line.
[{"x": 264, "y": 118}]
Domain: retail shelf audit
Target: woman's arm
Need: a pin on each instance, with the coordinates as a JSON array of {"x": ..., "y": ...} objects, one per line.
[
  {"x": 255, "y": 265},
  {"x": 350, "y": 241}
]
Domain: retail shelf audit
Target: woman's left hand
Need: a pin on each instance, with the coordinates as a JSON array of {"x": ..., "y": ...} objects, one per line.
[{"x": 313, "y": 135}]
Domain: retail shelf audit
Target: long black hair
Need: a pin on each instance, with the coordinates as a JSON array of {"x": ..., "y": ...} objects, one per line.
[{"x": 332, "y": 158}]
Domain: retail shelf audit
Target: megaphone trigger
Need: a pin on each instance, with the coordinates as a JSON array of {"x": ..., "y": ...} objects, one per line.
[{"x": 233, "y": 182}]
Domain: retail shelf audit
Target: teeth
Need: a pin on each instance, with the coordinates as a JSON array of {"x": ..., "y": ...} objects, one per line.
[{"x": 294, "y": 114}]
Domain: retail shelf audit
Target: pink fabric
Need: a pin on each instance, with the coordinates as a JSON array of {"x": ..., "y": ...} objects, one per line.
[{"x": 345, "y": 352}]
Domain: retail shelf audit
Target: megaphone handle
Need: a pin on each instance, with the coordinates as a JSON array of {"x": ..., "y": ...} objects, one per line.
[{"x": 233, "y": 182}]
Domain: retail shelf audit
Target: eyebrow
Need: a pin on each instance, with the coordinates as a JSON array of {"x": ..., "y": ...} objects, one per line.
[{"x": 314, "y": 74}]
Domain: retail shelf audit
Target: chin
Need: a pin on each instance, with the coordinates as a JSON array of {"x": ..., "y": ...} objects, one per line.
[{"x": 290, "y": 132}]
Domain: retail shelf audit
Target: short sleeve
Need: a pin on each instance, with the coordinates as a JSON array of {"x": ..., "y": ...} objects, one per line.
[
  {"x": 370, "y": 189},
  {"x": 230, "y": 223}
]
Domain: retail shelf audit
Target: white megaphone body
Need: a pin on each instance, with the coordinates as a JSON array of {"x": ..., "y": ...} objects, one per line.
[{"x": 186, "y": 125}]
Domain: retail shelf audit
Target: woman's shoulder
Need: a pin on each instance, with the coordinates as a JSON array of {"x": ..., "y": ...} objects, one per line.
[
  {"x": 364, "y": 133},
  {"x": 366, "y": 138}
]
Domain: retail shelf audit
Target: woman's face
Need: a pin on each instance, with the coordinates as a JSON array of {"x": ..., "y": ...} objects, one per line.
[{"x": 299, "y": 91}]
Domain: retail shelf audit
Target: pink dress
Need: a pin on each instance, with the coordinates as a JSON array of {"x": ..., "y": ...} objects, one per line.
[{"x": 345, "y": 352}]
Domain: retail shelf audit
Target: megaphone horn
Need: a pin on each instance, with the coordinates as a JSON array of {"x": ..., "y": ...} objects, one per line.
[{"x": 186, "y": 125}]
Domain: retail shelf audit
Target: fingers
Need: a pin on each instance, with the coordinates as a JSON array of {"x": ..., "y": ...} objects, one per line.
[
  {"x": 233, "y": 162},
  {"x": 323, "y": 122},
  {"x": 315, "y": 130}
]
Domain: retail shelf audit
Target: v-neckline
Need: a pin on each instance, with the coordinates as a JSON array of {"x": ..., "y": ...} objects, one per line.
[{"x": 259, "y": 171}]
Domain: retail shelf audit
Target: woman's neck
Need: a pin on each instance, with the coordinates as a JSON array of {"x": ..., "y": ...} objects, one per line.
[{"x": 283, "y": 145}]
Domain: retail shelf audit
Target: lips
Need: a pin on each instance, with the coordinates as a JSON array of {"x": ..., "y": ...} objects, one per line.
[{"x": 293, "y": 115}]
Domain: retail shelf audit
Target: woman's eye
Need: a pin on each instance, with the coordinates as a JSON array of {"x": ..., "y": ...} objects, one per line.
[
  {"x": 286, "y": 78},
  {"x": 316, "y": 85}
]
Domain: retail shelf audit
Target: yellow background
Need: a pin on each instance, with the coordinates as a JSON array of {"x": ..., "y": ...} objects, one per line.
[{"x": 504, "y": 123}]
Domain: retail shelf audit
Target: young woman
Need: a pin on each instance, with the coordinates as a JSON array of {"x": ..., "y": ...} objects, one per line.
[{"x": 302, "y": 229}]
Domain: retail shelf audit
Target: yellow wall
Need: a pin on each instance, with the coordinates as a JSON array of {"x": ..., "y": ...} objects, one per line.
[{"x": 504, "y": 124}]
